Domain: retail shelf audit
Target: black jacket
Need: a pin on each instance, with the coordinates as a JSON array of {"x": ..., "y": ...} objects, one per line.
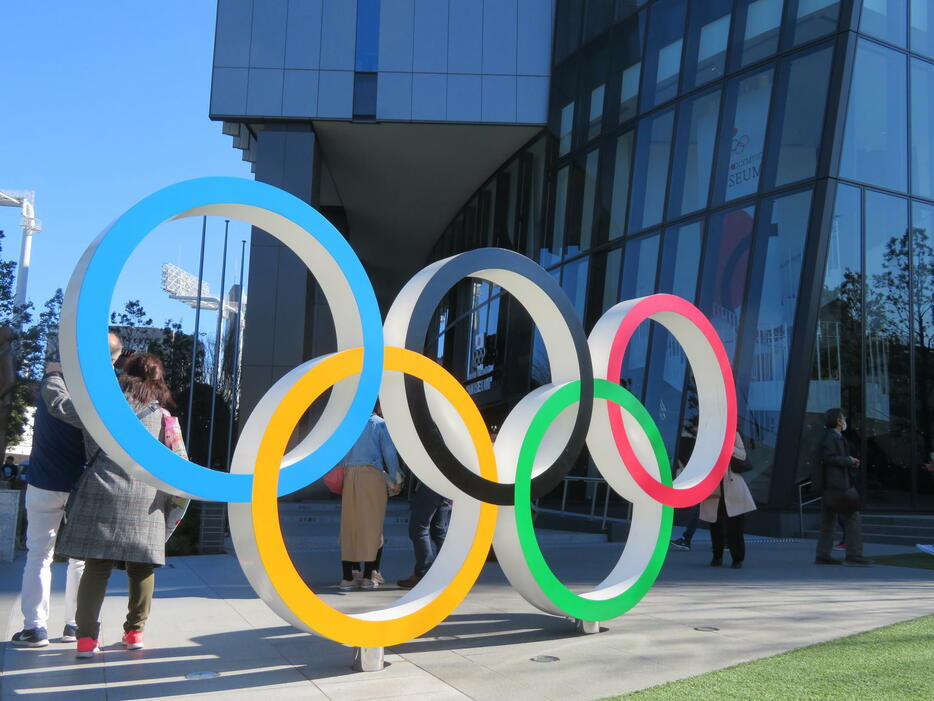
[{"x": 835, "y": 462}]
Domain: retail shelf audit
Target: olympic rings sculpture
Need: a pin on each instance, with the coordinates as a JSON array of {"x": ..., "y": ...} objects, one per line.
[{"x": 435, "y": 425}]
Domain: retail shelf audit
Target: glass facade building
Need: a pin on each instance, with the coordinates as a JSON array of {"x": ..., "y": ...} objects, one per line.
[{"x": 770, "y": 160}]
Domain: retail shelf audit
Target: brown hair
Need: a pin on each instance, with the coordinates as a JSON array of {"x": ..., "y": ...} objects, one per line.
[{"x": 143, "y": 381}]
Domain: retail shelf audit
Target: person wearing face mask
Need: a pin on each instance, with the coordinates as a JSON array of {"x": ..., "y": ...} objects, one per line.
[{"x": 834, "y": 481}]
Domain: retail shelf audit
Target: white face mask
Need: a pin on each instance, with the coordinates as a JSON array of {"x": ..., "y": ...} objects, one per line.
[{"x": 843, "y": 428}]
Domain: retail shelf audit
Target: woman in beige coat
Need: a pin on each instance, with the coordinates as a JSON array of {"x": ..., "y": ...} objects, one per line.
[{"x": 724, "y": 510}]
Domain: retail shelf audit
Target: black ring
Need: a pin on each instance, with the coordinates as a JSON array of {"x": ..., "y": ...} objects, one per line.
[{"x": 447, "y": 275}]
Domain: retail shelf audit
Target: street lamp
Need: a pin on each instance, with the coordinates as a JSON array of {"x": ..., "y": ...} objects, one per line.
[{"x": 26, "y": 201}]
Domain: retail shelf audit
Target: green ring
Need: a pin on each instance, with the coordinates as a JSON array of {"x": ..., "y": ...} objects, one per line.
[{"x": 573, "y": 604}]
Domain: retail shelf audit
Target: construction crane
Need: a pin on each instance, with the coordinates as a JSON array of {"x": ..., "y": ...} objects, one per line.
[{"x": 26, "y": 201}]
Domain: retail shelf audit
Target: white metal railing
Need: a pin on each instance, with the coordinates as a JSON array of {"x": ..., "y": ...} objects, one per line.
[
  {"x": 802, "y": 503},
  {"x": 592, "y": 516}
]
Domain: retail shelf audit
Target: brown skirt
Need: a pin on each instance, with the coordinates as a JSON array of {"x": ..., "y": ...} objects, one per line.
[{"x": 363, "y": 510}]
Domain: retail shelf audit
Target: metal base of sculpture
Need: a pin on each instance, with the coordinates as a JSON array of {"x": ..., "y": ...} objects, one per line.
[{"x": 368, "y": 659}]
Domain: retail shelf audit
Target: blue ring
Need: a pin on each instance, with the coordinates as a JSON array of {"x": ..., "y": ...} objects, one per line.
[{"x": 93, "y": 315}]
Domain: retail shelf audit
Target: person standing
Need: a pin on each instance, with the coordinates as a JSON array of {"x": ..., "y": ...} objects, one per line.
[
  {"x": 428, "y": 526},
  {"x": 834, "y": 482},
  {"x": 725, "y": 510},
  {"x": 116, "y": 520},
  {"x": 371, "y": 476},
  {"x": 55, "y": 464}
]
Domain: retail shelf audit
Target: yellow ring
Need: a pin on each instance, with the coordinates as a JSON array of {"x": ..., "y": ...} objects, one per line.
[{"x": 295, "y": 594}]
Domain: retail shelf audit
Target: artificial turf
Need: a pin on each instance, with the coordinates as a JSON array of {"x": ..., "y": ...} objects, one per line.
[
  {"x": 920, "y": 561},
  {"x": 894, "y": 662}
]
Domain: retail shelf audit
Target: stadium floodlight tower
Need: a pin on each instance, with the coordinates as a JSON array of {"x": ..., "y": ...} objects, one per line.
[{"x": 26, "y": 201}]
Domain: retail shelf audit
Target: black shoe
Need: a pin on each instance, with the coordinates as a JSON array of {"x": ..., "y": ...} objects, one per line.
[
  {"x": 820, "y": 560},
  {"x": 409, "y": 582},
  {"x": 737, "y": 564},
  {"x": 716, "y": 561},
  {"x": 33, "y": 637},
  {"x": 859, "y": 561},
  {"x": 681, "y": 544}
]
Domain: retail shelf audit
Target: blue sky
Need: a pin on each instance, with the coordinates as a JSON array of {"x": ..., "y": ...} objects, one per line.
[{"x": 104, "y": 102}]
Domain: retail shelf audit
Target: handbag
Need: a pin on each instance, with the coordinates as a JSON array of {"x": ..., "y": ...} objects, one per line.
[
  {"x": 334, "y": 480},
  {"x": 172, "y": 439},
  {"x": 738, "y": 467},
  {"x": 845, "y": 502}
]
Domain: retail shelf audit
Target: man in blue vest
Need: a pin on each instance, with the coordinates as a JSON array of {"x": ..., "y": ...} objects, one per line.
[{"x": 55, "y": 464}]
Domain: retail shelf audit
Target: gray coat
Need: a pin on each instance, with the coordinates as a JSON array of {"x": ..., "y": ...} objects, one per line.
[{"x": 112, "y": 515}]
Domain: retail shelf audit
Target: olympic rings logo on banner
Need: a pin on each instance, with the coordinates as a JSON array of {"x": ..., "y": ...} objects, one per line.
[{"x": 434, "y": 423}]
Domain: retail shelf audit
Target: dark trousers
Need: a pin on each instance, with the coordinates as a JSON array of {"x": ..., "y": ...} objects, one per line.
[
  {"x": 141, "y": 577},
  {"x": 347, "y": 567},
  {"x": 728, "y": 530},
  {"x": 852, "y": 529},
  {"x": 691, "y": 526},
  {"x": 428, "y": 525}
]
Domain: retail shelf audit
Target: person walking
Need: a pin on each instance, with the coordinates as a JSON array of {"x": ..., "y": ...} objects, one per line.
[
  {"x": 55, "y": 465},
  {"x": 428, "y": 526},
  {"x": 834, "y": 482},
  {"x": 725, "y": 508},
  {"x": 115, "y": 520},
  {"x": 685, "y": 447},
  {"x": 371, "y": 476}
]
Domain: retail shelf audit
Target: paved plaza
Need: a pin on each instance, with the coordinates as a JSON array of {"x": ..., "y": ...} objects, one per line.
[{"x": 208, "y": 624}]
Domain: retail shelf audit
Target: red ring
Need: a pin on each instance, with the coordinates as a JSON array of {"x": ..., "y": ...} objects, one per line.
[{"x": 639, "y": 312}]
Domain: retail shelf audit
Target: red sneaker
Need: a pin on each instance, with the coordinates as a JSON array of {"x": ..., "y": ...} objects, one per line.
[
  {"x": 87, "y": 647},
  {"x": 133, "y": 640}
]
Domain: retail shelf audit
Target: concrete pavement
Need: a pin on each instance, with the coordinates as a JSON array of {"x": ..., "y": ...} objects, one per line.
[{"x": 210, "y": 636}]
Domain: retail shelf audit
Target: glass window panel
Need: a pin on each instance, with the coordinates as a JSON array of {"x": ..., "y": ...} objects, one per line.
[
  {"x": 568, "y": 16},
  {"x": 483, "y": 320},
  {"x": 534, "y": 209},
  {"x": 596, "y": 112},
  {"x": 723, "y": 283},
  {"x": 889, "y": 458},
  {"x": 367, "y": 43},
  {"x": 922, "y": 131},
  {"x": 875, "y": 143},
  {"x": 591, "y": 167},
  {"x": 626, "y": 45},
  {"x": 815, "y": 18},
  {"x": 567, "y": 126},
  {"x": 922, "y": 278},
  {"x": 639, "y": 266},
  {"x": 761, "y": 21},
  {"x": 663, "y": 52},
  {"x": 922, "y": 27},
  {"x": 622, "y": 170},
  {"x": 835, "y": 373},
  {"x": 805, "y": 82},
  {"x": 597, "y": 17},
  {"x": 364, "y": 95},
  {"x": 681, "y": 254},
  {"x": 574, "y": 283},
  {"x": 697, "y": 131},
  {"x": 742, "y": 141},
  {"x": 708, "y": 38},
  {"x": 886, "y": 19},
  {"x": 614, "y": 260},
  {"x": 772, "y": 301},
  {"x": 541, "y": 368},
  {"x": 552, "y": 255},
  {"x": 653, "y": 147},
  {"x": 629, "y": 91}
]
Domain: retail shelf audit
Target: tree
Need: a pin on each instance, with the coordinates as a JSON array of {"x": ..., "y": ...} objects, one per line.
[{"x": 28, "y": 349}]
